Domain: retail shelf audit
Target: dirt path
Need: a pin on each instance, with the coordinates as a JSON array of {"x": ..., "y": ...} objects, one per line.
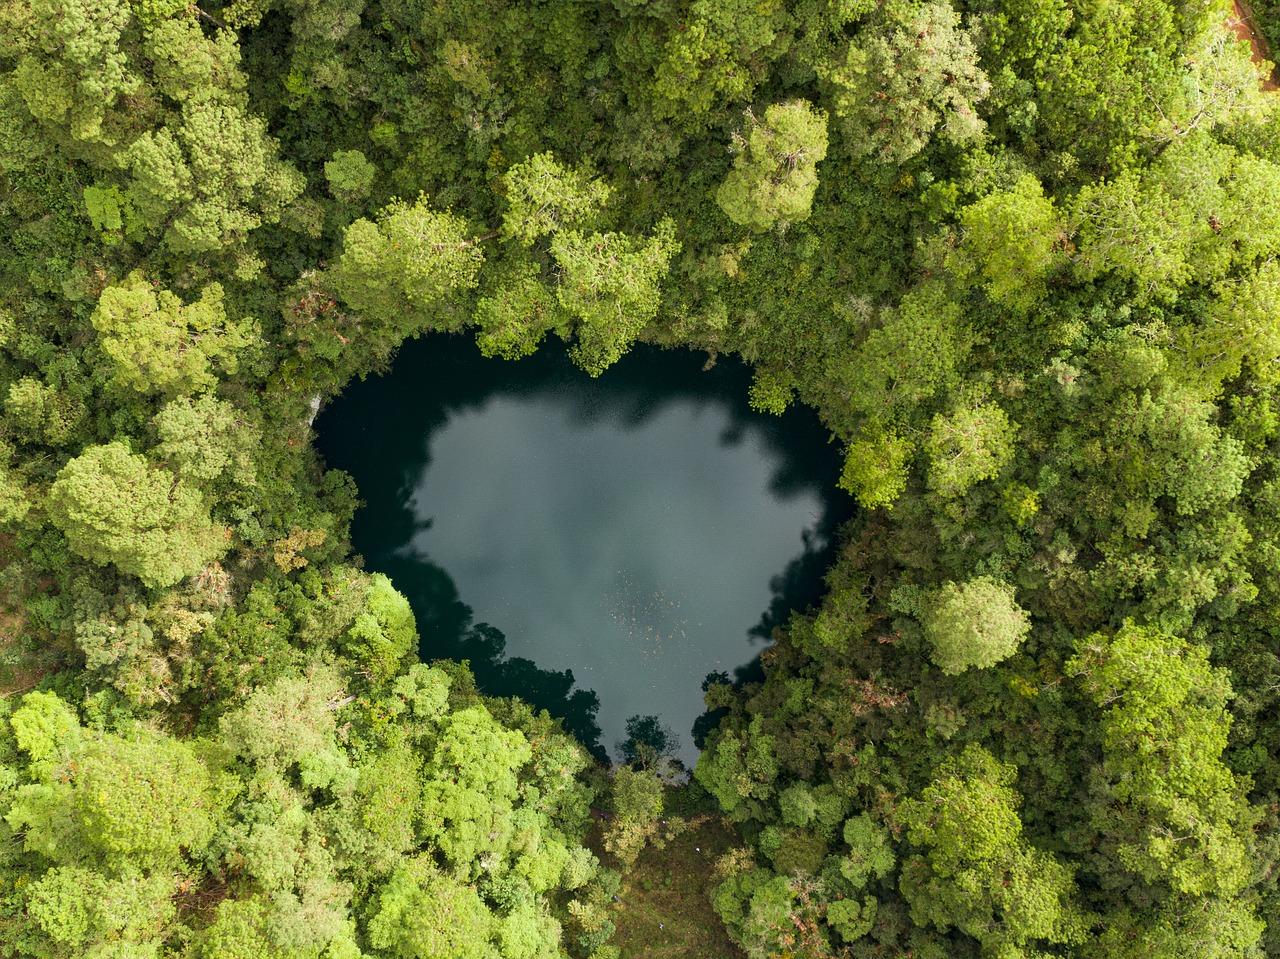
[{"x": 1245, "y": 28}]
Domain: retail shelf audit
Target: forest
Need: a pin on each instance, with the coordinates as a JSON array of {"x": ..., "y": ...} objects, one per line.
[{"x": 1021, "y": 256}]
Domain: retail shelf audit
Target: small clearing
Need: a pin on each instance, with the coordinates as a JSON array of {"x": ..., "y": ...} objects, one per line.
[{"x": 664, "y": 908}]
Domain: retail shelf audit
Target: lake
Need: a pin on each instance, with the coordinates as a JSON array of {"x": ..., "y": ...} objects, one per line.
[{"x": 599, "y": 547}]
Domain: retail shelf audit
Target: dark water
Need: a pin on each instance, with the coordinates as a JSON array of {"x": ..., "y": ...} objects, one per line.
[{"x": 598, "y": 547}]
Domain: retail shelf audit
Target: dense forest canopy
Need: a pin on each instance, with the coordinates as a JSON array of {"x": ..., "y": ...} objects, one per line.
[{"x": 1022, "y": 256}]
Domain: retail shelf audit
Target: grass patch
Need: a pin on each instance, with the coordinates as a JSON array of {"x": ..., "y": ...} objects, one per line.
[{"x": 663, "y": 908}]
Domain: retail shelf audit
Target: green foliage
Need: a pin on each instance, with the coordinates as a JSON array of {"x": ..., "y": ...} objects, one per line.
[
  {"x": 637, "y": 804},
  {"x": 976, "y": 871},
  {"x": 425, "y": 915},
  {"x": 911, "y": 76},
  {"x": 973, "y": 625},
  {"x": 1171, "y": 807},
  {"x": 966, "y": 447},
  {"x": 514, "y": 319},
  {"x": 756, "y": 906},
  {"x": 775, "y": 173},
  {"x": 870, "y": 852},
  {"x": 383, "y": 636},
  {"x": 116, "y": 507},
  {"x": 109, "y": 801},
  {"x": 1014, "y": 240},
  {"x": 609, "y": 286},
  {"x": 910, "y": 357},
  {"x": 735, "y": 771},
  {"x": 105, "y": 206},
  {"x": 395, "y": 270},
  {"x": 875, "y": 469},
  {"x": 205, "y": 439},
  {"x": 159, "y": 345},
  {"x": 544, "y": 197},
  {"x": 1033, "y": 296},
  {"x": 79, "y": 912},
  {"x": 350, "y": 175}
]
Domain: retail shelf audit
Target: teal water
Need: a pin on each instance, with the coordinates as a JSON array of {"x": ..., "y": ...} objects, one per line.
[{"x": 601, "y": 547}]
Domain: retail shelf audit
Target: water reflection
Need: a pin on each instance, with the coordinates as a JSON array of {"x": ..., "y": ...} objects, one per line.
[{"x": 597, "y": 547}]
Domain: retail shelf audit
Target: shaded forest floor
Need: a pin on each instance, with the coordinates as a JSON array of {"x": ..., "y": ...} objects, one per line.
[
  {"x": 21, "y": 660},
  {"x": 664, "y": 906}
]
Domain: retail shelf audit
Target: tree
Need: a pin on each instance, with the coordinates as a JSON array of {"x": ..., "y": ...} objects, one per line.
[
  {"x": 637, "y": 805},
  {"x": 974, "y": 624},
  {"x": 471, "y": 785},
  {"x": 967, "y": 446},
  {"x": 1172, "y": 812},
  {"x": 976, "y": 872},
  {"x": 113, "y": 802},
  {"x": 156, "y": 111},
  {"x": 914, "y": 354},
  {"x": 870, "y": 852},
  {"x": 212, "y": 174},
  {"x": 350, "y": 175},
  {"x": 775, "y": 171},
  {"x": 1235, "y": 330},
  {"x": 203, "y": 439},
  {"x": 116, "y": 507},
  {"x": 290, "y": 728},
  {"x": 1138, "y": 232},
  {"x": 739, "y": 770},
  {"x": 517, "y": 314},
  {"x": 47, "y": 730},
  {"x": 160, "y": 345},
  {"x": 396, "y": 269},
  {"x": 649, "y": 744},
  {"x": 79, "y": 912},
  {"x": 912, "y": 75},
  {"x": 609, "y": 284},
  {"x": 423, "y": 914},
  {"x": 384, "y": 633},
  {"x": 758, "y": 908},
  {"x": 544, "y": 197},
  {"x": 875, "y": 469},
  {"x": 240, "y": 927},
  {"x": 14, "y": 501},
  {"x": 1014, "y": 239},
  {"x": 1198, "y": 466}
]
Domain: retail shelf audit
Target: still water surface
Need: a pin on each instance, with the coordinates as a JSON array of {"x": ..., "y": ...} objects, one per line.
[{"x": 597, "y": 547}]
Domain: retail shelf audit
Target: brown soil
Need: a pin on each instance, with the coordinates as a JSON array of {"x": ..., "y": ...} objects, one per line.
[{"x": 1245, "y": 27}]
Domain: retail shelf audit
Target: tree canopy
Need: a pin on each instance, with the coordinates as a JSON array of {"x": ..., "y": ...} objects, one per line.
[{"x": 1022, "y": 259}]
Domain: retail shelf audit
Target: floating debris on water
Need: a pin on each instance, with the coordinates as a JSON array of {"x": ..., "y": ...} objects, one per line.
[{"x": 649, "y": 618}]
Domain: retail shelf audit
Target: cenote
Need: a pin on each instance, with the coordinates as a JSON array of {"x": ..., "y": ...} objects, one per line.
[{"x": 602, "y": 548}]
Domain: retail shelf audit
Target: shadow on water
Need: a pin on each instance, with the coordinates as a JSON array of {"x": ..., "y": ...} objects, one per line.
[{"x": 380, "y": 431}]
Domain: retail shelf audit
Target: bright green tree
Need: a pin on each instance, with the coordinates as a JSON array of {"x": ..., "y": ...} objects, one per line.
[
  {"x": 1014, "y": 239},
  {"x": 967, "y": 446},
  {"x": 975, "y": 871},
  {"x": 913, "y": 74},
  {"x": 116, "y": 507},
  {"x": 423, "y": 914},
  {"x": 160, "y": 345},
  {"x": 544, "y": 197},
  {"x": 350, "y": 175},
  {"x": 204, "y": 438},
  {"x": 975, "y": 624},
  {"x": 1171, "y": 812},
  {"x": 396, "y": 269},
  {"x": 609, "y": 285},
  {"x": 775, "y": 171}
]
